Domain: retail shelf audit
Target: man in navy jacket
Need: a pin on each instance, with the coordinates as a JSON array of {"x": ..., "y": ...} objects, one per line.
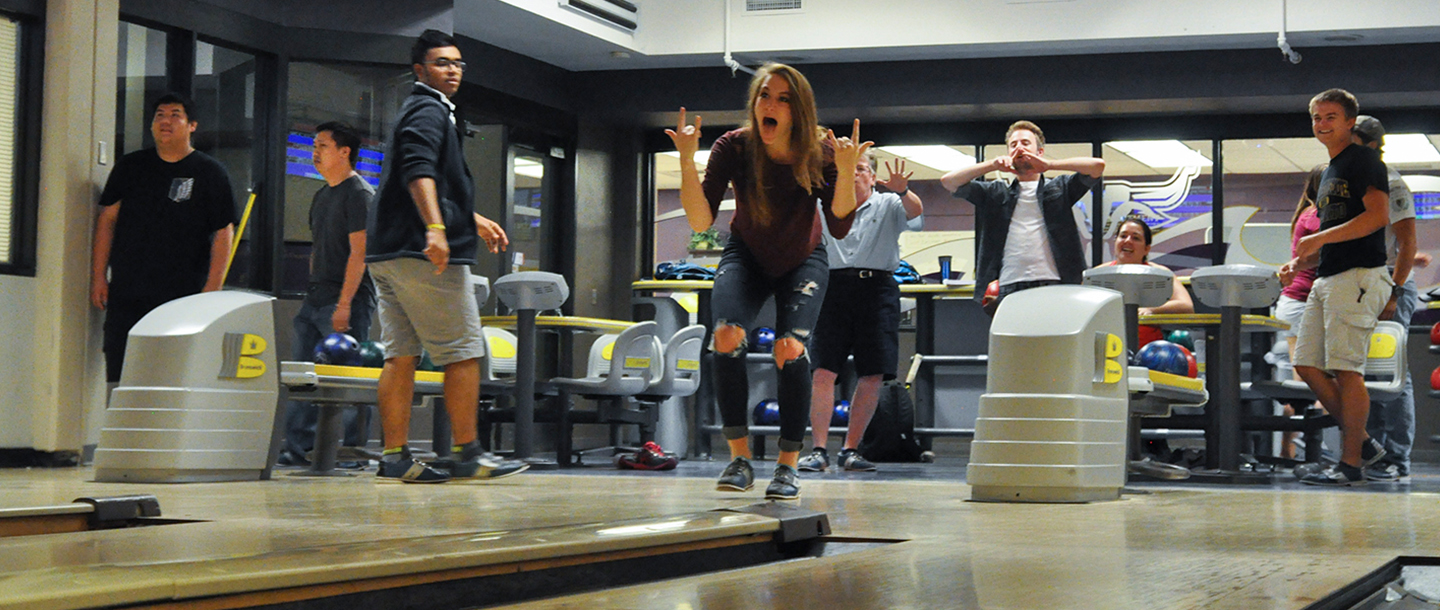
[{"x": 421, "y": 238}]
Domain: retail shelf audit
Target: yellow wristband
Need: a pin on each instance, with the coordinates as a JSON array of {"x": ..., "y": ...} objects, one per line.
[{"x": 436, "y": 226}]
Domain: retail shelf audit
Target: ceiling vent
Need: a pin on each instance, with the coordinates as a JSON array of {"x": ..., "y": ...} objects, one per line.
[
  {"x": 619, "y": 13},
  {"x": 769, "y": 6}
]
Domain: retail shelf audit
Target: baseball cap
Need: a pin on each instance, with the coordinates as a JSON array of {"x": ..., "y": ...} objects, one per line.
[{"x": 1369, "y": 129}]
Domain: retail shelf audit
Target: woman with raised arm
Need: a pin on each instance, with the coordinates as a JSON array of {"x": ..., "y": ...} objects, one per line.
[{"x": 780, "y": 164}]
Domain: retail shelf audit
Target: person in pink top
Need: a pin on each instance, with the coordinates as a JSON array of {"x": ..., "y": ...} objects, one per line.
[{"x": 1291, "y": 306}]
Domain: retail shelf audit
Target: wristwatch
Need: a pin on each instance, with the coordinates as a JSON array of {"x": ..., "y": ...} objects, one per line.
[{"x": 1396, "y": 290}]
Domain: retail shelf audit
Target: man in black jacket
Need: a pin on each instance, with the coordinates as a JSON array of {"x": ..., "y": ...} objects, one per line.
[
  {"x": 1025, "y": 233},
  {"x": 421, "y": 238}
]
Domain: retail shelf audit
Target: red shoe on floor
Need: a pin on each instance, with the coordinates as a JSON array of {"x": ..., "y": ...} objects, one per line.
[{"x": 649, "y": 457}]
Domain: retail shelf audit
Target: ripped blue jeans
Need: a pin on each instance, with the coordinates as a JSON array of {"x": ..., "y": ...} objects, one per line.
[{"x": 741, "y": 289}]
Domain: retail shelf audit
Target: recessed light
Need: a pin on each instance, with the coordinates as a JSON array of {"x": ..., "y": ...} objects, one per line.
[{"x": 620, "y": 55}]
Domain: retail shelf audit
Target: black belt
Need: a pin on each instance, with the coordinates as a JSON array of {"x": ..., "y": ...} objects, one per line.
[{"x": 860, "y": 273}]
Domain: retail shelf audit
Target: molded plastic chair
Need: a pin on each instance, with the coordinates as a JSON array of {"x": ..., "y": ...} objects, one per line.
[
  {"x": 634, "y": 363},
  {"x": 1384, "y": 369}
]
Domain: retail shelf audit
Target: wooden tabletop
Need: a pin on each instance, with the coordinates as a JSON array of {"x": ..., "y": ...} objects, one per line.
[
  {"x": 1248, "y": 322},
  {"x": 571, "y": 322}
]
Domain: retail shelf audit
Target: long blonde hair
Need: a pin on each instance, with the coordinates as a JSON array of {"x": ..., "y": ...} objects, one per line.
[
  {"x": 805, "y": 135},
  {"x": 1307, "y": 198}
]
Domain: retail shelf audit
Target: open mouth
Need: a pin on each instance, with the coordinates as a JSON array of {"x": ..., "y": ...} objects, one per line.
[{"x": 769, "y": 122}]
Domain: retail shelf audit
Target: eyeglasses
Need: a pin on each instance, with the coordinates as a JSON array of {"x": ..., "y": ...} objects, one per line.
[{"x": 443, "y": 63}]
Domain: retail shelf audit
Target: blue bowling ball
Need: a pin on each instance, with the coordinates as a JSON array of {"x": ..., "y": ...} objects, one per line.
[
  {"x": 767, "y": 413},
  {"x": 763, "y": 339},
  {"x": 338, "y": 348},
  {"x": 1165, "y": 357},
  {"x": 841, "y": 415}
]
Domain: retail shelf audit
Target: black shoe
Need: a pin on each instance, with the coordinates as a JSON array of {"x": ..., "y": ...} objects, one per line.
[
  {"x": 850, "y": 459},
  {"x": 408, "y": 470},
  {"x": 738, "y": 476},
  {"x": 817, "y": 461},
  {"x": 1370, "y": 452},
  {"x": 785, "y": 486}
]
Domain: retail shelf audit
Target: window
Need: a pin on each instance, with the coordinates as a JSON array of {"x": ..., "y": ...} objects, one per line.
[
  {"x": 140, "y": 68},
  {"x": 365, "y": 97},
  {"x": 1168, "y": 183},
  {"x": 16, "y": 227}
]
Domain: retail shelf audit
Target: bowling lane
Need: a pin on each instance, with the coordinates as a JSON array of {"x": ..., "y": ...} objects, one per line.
[{"x": 1172, "y": 548}]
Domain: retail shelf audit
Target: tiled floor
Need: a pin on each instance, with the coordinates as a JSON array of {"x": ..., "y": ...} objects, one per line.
[{"x": 1170, "y": 546}]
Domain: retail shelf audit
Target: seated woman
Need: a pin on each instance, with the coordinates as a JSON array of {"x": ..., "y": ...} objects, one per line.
[{"x": 1132, "y": 247}]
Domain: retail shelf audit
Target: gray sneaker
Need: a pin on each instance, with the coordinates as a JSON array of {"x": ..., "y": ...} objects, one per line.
[
  {"x": 738, "y": 476},
  {"x": 817, "y": 461},
  {"x": 850, "y": 459},
  {"x": 1383, "y": 472},
  {"x": 1339, "y": 475},
  {"x": 1308, "y": 468},
  {"x": 785, "y": 486},
  {"x": 484, "y": 467}
]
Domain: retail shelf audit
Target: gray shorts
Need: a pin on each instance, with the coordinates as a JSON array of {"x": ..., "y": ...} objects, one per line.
[
  {"x": 1339, "y": 316},
  {"x": 418, "y": 309}
]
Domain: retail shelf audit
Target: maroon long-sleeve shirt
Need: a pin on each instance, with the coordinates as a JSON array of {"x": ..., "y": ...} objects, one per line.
[{"x": 794, "y": 230}]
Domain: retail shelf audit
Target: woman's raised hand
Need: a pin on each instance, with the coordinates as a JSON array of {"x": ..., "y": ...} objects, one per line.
[
  {"x": 686, "y": 137},
  {"x": 847, "y": 151}
]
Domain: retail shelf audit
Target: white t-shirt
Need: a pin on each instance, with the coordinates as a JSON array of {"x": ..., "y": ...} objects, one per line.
[
  {"x": 1402, "y": 206},
  {"x": 1028, "y": 256}
]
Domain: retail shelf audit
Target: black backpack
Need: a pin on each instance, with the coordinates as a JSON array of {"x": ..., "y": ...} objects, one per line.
[{"x": 891, "y": 434}]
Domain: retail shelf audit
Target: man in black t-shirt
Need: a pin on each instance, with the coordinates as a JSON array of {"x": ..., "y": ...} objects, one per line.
[
  {"x": 340, "y": 297},
  {"x": 167, "y": 219},
  {"x": 1351, "y": 286}
]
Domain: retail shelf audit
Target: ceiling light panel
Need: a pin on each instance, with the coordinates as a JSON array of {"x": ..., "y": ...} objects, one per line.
[{"x": 1161, "y": 153}]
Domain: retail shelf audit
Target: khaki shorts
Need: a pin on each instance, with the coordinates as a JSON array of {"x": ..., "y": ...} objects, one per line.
[
  {"x": 1339, "y": 316},
  {"x": 418, "y": 309}
]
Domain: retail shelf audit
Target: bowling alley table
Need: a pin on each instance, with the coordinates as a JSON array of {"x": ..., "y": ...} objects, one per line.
[
  {"x": 1222, "y": 418},
  {"x": 924, "y": 295}
]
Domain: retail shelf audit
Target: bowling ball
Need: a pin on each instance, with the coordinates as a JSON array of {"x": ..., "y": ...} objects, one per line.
[
  {"x": 371, "y": 355},
  {"x": 992, "y": 292},
  {"x": 1165, "y": 357},
  {"x": 1181, "y": 338},
  {"x": 426, "y": 364},
  {"x": 841, "y": 415},
  {"x": 763, "y": 339},
  {"x": 1435, "y": 334},
  {"x": 767, "y": 413},
  {"x": 338, "y": 348},
  {"x": 1194, "y": 370},
  {"x": 1435, "y": 379},
  {"x": 1148, "y": 334}
]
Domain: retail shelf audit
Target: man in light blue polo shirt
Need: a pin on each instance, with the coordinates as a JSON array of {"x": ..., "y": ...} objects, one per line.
[{"x": 861, "y": 313}]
